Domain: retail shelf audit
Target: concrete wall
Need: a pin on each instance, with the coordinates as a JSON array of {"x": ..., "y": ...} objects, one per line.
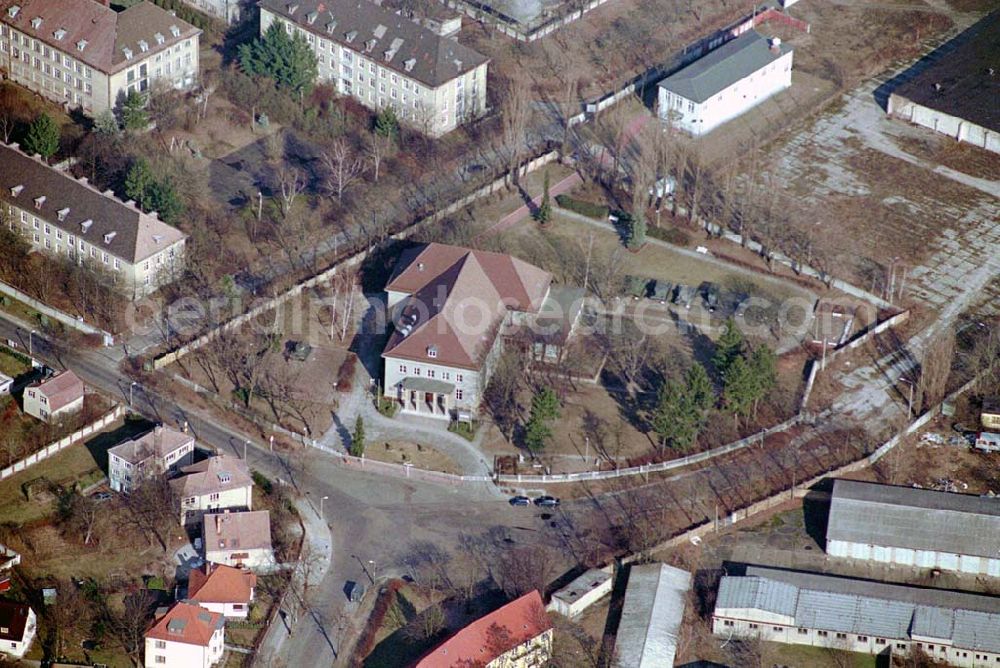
[
  {"x": 61, "y": 444},
  {"x": 953, "y": 126},
  {"x": 55, "y": 314}
]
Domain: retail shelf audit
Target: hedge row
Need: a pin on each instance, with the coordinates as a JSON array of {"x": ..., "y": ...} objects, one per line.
[
  {"x": 588, "y": 209},
  {"x": 671, "y": 235}
]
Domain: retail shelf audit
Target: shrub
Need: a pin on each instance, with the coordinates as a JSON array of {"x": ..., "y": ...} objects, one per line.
[
  {"x": 671, "y": 235},
  {"x": 582, "y": 207}
]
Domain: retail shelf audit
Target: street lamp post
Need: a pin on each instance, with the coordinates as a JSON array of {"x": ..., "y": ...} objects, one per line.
[
  {"x": 31, "y": 347},
  {"x": 372, "y": 563},
  {"x": 130, "y": 386},
  {"x": 321, "y": 500},
  {"x": 909, "y": 403}
]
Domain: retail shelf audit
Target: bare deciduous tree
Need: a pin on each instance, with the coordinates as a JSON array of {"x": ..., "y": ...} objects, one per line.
[
  {"x": 516, "y": 112},
  {"x": 935, "y": 368},
  {"x": 343, "y": 166}
]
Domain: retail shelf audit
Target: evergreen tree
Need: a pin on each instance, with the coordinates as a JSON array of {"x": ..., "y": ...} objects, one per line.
[
  {"x": 729, "y": 346},
  {"x": 699, "y": 387},
  {"x": 358, "y": 438},
  {"x": 163, "y": 199},
  {"x": 763, "y": 366},
  {"x": 636, "y": 231},
  {"x": 137, "y": 182},
  {"x": 676, "y": 419},
  {"x": 387, "y": 124},
  {"x": 544, "y": 408},
  {"x": 287, "y": 59},
  {"x": 544, "y": 213},
  {"x": 133, "y": 112},
  {"x": 740, "y": 389},
  {"x": 106, "y": 124},
  {"x": 42, "y": 137}
]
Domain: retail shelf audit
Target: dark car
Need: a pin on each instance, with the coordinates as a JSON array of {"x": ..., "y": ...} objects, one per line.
[
  {"x": 520, "y": 501},
  {"x": 547, "y": 502},
  {"x": 102, "y": 496}
]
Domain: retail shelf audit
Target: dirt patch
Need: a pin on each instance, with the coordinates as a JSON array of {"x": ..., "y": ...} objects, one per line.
[{"x": 405, "y": 452}]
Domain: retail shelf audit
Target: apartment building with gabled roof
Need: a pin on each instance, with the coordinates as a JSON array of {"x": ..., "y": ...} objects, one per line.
[
  {"x": 381, "y": 59},
  {"x": 185, "y": 636},
  {"x": 69, "y": 218},
  {"x": 85, "y": 55},
  {"x": 216, "y": 483}
]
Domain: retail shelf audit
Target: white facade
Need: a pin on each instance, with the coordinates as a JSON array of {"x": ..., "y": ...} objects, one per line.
[
  {"x": 581, "y": 593},
  {"x": 227, "y": 610},
  {"x": 226, "y": 10},
  {"x": 953, "y": 126},
  {"x": 172, "y": 654},
  {"x": 434, "y": 110},
  {"x": 126, "y": 471},
  {"x": 194, "y": 507},
  {"x": 701, "y": 116},
  {"x": 54, "y": 69},
  {"x": 6, "y": 382},
  {"x": 36, "y": 404},
  {"x": 18, "y": 648},
  {"x": 946, "y": 561},
  {"x": 752, "y": 623}
]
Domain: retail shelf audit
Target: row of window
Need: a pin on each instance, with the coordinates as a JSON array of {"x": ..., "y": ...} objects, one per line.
[
  {"x": 29, "y": 44},
  {"x": 863, "y": 639},
  {"x": 431, "y": 373}
]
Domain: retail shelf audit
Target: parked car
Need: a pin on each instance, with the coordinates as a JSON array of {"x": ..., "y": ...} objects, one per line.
[
  {"x": 520, "y": 501},
  {"x": 547, "y": 502},
  {"x": 102, "y": 496}
]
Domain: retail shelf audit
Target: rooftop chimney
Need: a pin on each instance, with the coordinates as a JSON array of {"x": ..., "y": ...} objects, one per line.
[{"x": 775, "y": 44}]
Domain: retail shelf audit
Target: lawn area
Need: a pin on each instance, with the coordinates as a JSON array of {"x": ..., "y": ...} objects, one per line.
[
  {"x": 83, "y": 463},
  {"x": 802, "y": 656},
  {"x": 13, "y": 364},
  {"x": 404, "y": 452}
]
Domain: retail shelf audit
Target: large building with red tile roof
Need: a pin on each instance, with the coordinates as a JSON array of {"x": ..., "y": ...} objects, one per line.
[
  {"x": 185, "y": 636},
  {"x": 223, "y": 589},
  {"x": 52, "y": 399},
  {"x": 518, "y": 635},
  {"x": 450, "y": 307},
  {"x": 85, "y": 55}
]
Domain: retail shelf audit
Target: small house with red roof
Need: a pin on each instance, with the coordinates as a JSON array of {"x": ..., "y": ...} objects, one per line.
[
  {"x": 518, "y": 635},
  {"x": 222, "y": 589},
  {"x": 17, "y": 628},
  {"x": 185, "y": 636},
  {"x": 52, "y": 399},
  {"x": 451, "y": 307}
]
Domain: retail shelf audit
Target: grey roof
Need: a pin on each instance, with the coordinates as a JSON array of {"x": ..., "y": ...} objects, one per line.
[
  {"x": 722, "y": 67},
  {"x": 846, "y": 605},
  {"x": 427, "y": 385},
  {"x": 436, "y": 59},
  {"x": 651, "y": 616},
  {"x": 775, "y": 597},
  {"x": 919, "y": 519},
  {"x": 121, "y": 230},
  {"x": 583, "y": 584}
]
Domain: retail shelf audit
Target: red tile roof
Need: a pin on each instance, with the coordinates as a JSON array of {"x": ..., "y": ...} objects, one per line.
[
  {"x": 458, "y": 296},
  {"x": 217, "y": 583},
  {"x": 61, "y": 389},
  {"x": 523, "y": 619},
  {"x": 187, "y": 623}
]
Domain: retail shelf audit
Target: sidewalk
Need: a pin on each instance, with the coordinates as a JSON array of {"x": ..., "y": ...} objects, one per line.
[{"x": 524, "y": 211}]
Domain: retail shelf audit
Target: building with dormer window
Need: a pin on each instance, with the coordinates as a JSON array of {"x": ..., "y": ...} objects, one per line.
[
  {"x": 383, "y": 59},
  {"x": 85, "y": 55},
  {"x": 68, "y": 218}
]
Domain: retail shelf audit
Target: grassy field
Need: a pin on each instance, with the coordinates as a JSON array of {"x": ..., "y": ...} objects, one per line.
[
  {"x": 12, "y": 364},
  {"x": 83, "y": 463},
  {"x": 393, "y": 647},
  {"x": 403, "y": 452}
]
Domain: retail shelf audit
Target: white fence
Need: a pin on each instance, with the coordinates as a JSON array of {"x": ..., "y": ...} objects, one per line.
[
  {"x": 56, "y": 314},
  {"x": 62, "y": 443}
]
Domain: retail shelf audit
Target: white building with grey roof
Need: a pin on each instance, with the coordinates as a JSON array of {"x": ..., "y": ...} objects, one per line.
[
  {"x": 383, "y": 59},
  {"x": 725, "y": 83},
  {"x": 914, "y": 527},
  {"x": 83, "y": 54},
  {"x": 956, "y": 628},
  {"x": 70, "y": 219},
  {"x": 652, "y": 614}
]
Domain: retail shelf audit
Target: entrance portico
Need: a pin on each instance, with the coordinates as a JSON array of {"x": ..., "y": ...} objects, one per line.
[{"x": 425, "y": 396}]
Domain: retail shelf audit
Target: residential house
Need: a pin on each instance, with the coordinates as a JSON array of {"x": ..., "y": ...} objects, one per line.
[
  {"x": 990, "y": 415},
  {"x": 222, "y": 589},
  {"x": 226, "y": 10},
  {"x": 185, "y": 636},
  {"x": 891, "y": 620},
  {"x": 451, "y": 308},
  {"x": 652, "y": 613},
  {"x": 67, "y": 218},
  {"x": 154, "y": 453},
  {"x": 241, "y": 540},
  {"x": 54, "y": 398},
  {"x": 956, "y": 93},
  {"x": 17, "y": 628},
  {"x": 987, "y": 441},
  {"x": 216, "y": 483},
  {"x": 517, "y": 635},
  {"x": 382, "y": 59},
  {"x": 6, "y": 382},
  {"x": 726, "y": 82},
  {"x": 914, "y": 527},
  {"x": 581, "y": 593},
  {"x": 85, "y": 55}
]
